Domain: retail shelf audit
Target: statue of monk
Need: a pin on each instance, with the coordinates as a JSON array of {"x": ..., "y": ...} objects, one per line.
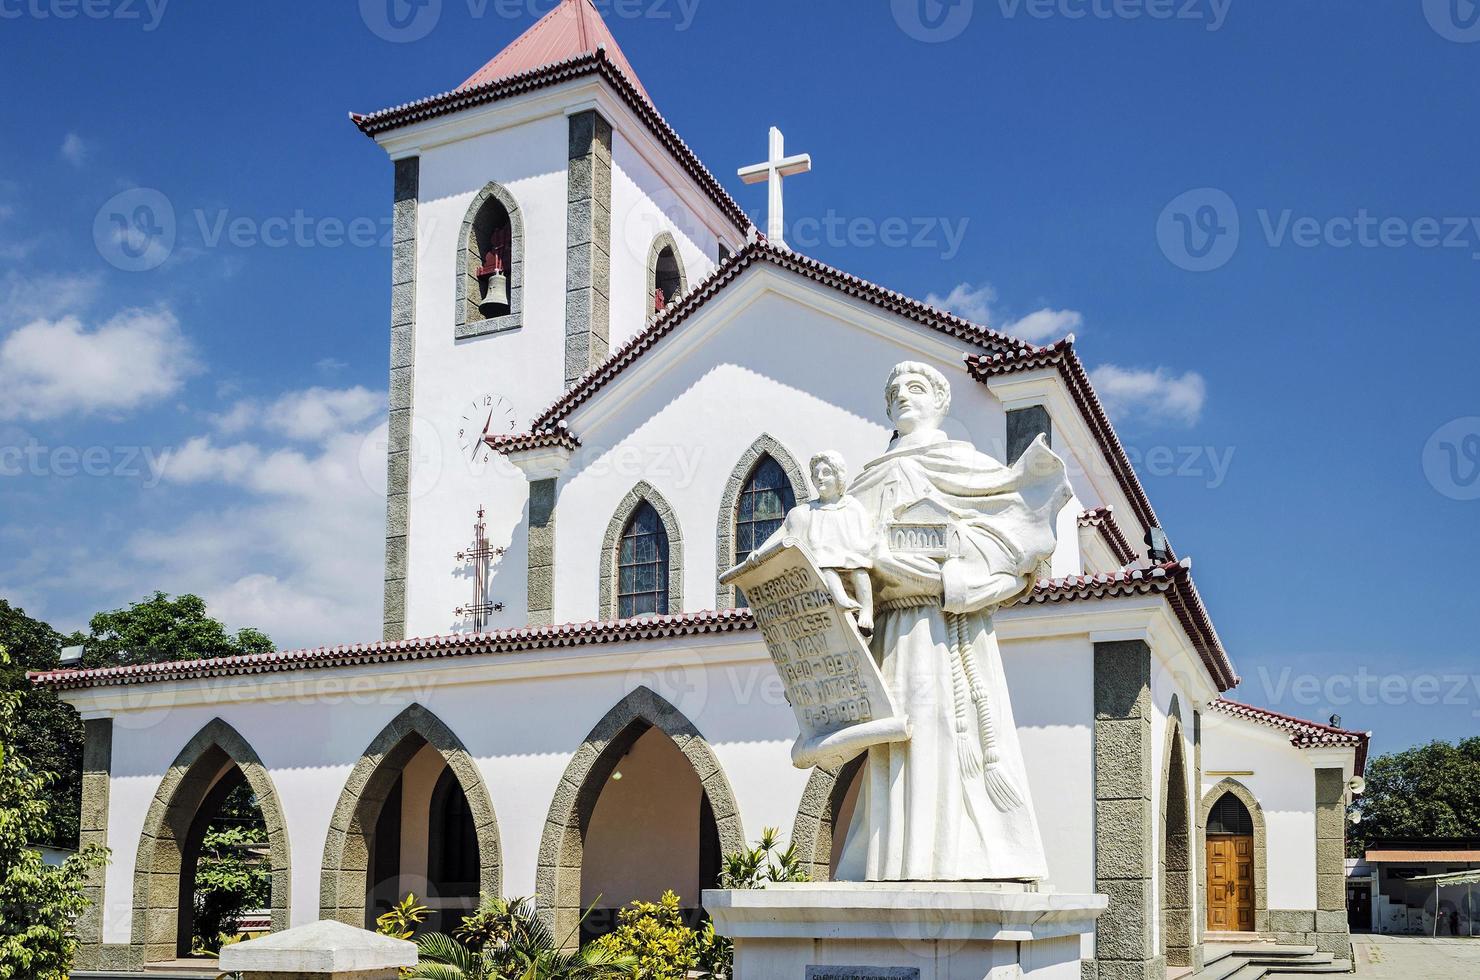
[{"x": 951, "y": 803}]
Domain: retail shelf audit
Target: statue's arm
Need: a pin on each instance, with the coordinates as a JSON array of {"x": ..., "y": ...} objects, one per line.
[{"x": 986, "y": 575}]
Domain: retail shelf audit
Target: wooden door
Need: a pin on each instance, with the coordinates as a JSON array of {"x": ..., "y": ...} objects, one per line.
[{"x": 1230, "y": 883}]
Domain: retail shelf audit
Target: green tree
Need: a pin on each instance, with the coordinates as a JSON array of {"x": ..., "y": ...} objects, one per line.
[
  {"x": 231, "y": 876},
  {"x": 46, "y": 729},
  {"x": 1424, "y": 792},
  {"x": 38, "y": 902},
  {"x": 162, "y": 630}
]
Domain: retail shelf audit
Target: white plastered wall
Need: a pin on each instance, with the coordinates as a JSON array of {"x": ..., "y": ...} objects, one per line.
[
  {"x": 527, "y": 153},
  {"x": 1283, "y": 781},
  {"x": 808, "y": 377}
]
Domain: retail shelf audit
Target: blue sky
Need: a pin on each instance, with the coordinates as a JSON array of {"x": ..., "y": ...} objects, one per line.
[{"x": 1302, "y": 391}]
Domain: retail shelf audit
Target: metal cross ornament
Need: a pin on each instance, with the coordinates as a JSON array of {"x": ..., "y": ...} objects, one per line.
[
  {"x": 772, "y": 172},
  {"x": 480, "y": 556}
]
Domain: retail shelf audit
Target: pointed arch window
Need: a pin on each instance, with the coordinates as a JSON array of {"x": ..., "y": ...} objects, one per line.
[
  {"x": 667, "y": 280},
  {"x": 642, "y": 565},
  {"x": 1230, "y": 816},
  {"x": 491, "y": 265},
  {"x": 762, "y": 507}
]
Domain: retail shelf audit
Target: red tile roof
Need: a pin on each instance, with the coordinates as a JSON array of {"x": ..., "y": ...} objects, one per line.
[
  {"x": 559, "y": 436},
  {"x": 400, "y": 651},
  {"x": 1166, "y": 580},
  {"x": 1103, "y": 518},
  {"x": 1061, "y": 357},
  {"x": 571, "y": 29},
  {"x": 1303, "y": 734},
  {"x": 598, "y": 63},
  {"x": 1173, "y": 580},
  {"x": 753, "y": 254}
]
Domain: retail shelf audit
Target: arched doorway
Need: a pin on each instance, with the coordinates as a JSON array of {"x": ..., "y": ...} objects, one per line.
[
  {"x": 414, "y": 817},
  {"x": 1230, "y": 856},
  {"x": 652, "y": 830},
  {"x": 642, "y": 806},
  {"x": 215, "y": 807},
  {"x": 1175, "y": 858}
]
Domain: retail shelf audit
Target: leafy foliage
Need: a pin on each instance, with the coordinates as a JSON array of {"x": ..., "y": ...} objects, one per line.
[
  {"x": 401, "y": 922},
  {"x": 500, "y": 926},
  {"x": 663, "y": 946},
  {"x": 160, "y": 630},
  {"x": 38, "y": 903},
  {"x": 516, "y": 946},
  {"x": 1430, "y": 791},
  {"x": 764, "y": 863},
  {"x": 46, "y": 729},
  {"x": 229, "y": 880}
]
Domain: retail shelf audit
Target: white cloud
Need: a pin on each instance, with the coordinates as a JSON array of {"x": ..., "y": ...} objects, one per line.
[
  {"x": 972, "y": 302},
  {"x": 52, "y": 368},
  {"x": 1045, "y": 324},
  {"x": 1150, "y": 395},
  {"x": 309, "y": 415},
  {"x": 74, "y": 150},
  {"x": 979, "y": 305},
  {"x": 45, "y": 295},
  {"x": 298, "y": 550}
]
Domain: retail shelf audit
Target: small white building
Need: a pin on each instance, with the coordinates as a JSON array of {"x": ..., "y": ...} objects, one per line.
[{"x": 617, "y": 726}]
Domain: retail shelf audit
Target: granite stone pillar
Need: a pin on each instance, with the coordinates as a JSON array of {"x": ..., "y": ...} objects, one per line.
[
  {"x": 541, "y": 586},
  {"x": 1332, "y": 934},
  {"x": 1125, "y": 862},
  {"x": 398, "y": 433},
  {"x": 588, "y": 262}
]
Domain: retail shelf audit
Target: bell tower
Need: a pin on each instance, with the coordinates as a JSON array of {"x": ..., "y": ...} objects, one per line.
[{"x": 529, "y": 202}]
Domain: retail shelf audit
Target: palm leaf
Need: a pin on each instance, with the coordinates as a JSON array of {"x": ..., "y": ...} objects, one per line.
[
  {"x": 443, "y": 949},
  {"x": 440, "y": 971}
]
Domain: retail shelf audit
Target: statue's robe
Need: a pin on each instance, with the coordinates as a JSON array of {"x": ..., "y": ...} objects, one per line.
[{"x": 924, "y": 811}]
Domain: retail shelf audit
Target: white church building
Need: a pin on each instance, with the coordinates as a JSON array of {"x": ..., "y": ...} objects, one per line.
[{"x": 599, "y": 360}]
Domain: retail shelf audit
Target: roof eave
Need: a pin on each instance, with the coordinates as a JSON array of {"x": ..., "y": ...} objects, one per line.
[{"x": 375, "y": 124}]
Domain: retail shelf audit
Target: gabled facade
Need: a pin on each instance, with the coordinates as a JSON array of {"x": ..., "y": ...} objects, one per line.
[{"x": 621, "y": 725}]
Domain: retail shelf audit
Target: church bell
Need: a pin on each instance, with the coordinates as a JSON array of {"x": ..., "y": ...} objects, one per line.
[{"x": 495, "y": 300}]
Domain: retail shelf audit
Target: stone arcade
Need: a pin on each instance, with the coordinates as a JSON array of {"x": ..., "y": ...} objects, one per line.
[{"x": 623, "y": 726}]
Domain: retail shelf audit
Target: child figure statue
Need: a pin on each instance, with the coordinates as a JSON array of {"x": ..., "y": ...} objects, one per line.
[{"x": 839, "y": 533}]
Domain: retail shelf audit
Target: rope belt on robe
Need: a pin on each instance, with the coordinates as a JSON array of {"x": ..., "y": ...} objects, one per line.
[{"x": 977, "y": 748}]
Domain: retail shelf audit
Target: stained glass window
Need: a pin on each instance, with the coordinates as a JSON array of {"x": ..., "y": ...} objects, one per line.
[
  {"x": 642, "y": 565},
  {"x": 764, "y": 501}
]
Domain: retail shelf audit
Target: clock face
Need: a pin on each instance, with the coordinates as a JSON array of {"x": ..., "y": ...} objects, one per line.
[{"x": 483, "y": 417}]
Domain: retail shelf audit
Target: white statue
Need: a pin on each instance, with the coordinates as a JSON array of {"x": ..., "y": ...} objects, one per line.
[
  {"x": 951, "y": 802},
  {"x": 840, "y": 533}
]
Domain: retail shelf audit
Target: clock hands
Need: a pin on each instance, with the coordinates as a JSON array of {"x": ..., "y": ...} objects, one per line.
[{"x": 479, "y": 442}]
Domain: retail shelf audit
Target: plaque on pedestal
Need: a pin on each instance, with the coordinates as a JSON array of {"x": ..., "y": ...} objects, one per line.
[{"x": 841, "y": 703}]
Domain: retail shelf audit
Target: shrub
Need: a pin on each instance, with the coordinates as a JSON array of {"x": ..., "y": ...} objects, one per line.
[
  {"x": 654, "y": 935},
  {"x": 38, "y": 903}
]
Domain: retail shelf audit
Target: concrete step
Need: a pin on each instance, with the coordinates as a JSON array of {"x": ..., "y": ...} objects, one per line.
[
  {"x": 1304, "y": 970},
  {"x": 1223, "y": 968},
  {"x": 1259, "y": 960},
  {"x": 1275, "y": 950},
  {"x": 1295, "y": 970}
]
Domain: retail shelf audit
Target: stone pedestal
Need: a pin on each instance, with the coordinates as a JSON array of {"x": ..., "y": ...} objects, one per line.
[
  {"x": 939, "y": 930},
  {"x": 322, "y": 951}
]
